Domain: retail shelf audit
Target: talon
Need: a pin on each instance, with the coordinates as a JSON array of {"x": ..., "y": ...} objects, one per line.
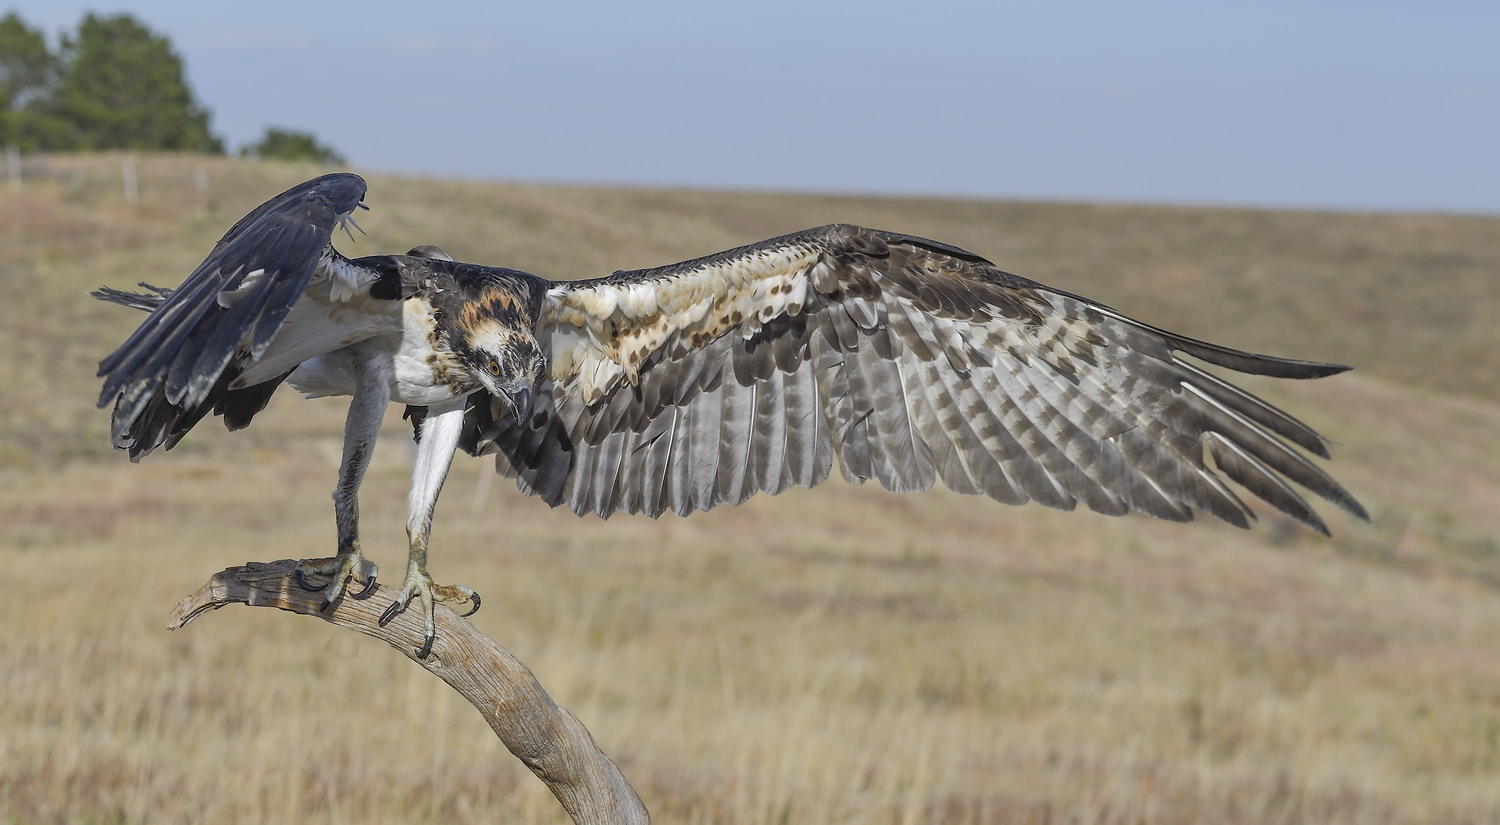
[
  {"x": 367, "y": 592},
  {"x": 419, "y": 585},
  {"x": 326, "y": 606},
  {"x": 302, "y": 582},
  {"x": 391, "y": 612},
  {"x": 474, "y": 599}
]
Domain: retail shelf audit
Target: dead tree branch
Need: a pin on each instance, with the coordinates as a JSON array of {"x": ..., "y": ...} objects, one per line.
[{"x": 544, "y": 736}]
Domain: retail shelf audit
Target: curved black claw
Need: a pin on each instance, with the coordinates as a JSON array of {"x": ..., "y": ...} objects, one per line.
[
  {"x": 426, "y": 649},
  {"x": 325, "y": 606},
  {"x": 395, "y": 609},
  {"x": 473, "y": 599},
  {"x": 367, "y": 592},
  {"x": 302, "y": 582}
]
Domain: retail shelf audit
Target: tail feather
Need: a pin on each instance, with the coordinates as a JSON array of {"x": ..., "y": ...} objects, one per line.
[{"x": 144, "y": 301}]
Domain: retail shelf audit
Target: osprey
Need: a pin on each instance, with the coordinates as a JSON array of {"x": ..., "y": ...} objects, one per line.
[{"x": 701, "y": 383}]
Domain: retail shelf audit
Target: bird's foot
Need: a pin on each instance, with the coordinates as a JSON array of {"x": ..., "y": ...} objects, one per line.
[
  {"x": 420, "y": 586},
  {"x": 338, "y": 570}
]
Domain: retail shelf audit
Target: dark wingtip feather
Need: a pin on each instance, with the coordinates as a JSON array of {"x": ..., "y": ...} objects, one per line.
[
  {"x": 1351, "y": 505},
  {"x": 1321, "y": 528},
  {"x": 1316, "y": 522},
  {"x": 1242, "y": 519},
  {"x": 1313, "y": 369},
  {"x": 1255, "y": 363},
  {"x": 1343, "y": 499},
  {"x": 135, "y": 300},
  {"x": 1237, "y": 360}
]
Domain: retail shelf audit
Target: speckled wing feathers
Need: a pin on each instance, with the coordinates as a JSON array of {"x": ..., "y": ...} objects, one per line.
[{"x": 911, "y": 361}]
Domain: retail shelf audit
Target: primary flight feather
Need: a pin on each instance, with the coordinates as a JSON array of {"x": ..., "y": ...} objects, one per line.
[{"x": 900, "y": 359}]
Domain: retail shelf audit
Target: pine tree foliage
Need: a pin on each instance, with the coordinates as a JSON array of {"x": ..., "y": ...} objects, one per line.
[
  {"x": 28, "y": 70},
  {"x": 122, "y": 86},
  {"x": 288, "y": 144},
  {"x": 115, "y": 84}
]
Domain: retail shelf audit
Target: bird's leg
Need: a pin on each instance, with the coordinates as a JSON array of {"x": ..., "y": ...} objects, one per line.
[
  {"x": 440, "y": 432},
  {"x": 372, "y": 392}
]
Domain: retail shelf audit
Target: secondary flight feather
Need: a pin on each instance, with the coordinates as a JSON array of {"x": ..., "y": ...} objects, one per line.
[{"x": 896, "y": 358}]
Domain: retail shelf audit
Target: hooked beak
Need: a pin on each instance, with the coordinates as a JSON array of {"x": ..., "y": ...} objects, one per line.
[{"x": 520, "y": 403}]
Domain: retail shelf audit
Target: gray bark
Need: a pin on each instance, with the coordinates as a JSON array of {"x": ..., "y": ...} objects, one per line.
[{"x": 543, "y": 735}]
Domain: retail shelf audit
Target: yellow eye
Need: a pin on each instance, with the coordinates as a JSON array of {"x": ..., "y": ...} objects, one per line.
[{"x": 494, "y": 368}]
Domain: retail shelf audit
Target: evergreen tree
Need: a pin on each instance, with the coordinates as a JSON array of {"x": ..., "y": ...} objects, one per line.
[
  {"x": 27, "y": 72},
  {"x": 122, "y": 87},
  {"x": 287, "y": 144}
]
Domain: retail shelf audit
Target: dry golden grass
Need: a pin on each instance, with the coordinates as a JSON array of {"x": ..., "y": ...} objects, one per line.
[{"x": 828, "y": 656}]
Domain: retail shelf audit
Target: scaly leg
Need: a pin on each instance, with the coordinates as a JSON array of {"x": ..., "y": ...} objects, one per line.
[
  {"x": 372, "y": 392},
  {"x": 440, "y": 432}
]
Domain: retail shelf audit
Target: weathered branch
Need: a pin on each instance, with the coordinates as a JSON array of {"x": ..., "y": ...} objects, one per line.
[{"x": 544, "y": 736}]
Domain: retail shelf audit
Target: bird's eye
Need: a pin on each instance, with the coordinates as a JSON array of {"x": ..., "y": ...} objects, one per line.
[{"x": 494, "y": 368}]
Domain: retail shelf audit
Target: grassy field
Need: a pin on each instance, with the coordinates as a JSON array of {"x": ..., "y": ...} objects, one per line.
[{"x": 829, "y": 656}]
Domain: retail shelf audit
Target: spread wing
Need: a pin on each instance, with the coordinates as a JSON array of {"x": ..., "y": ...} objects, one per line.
[
  {"x": 908, "y": 361},
  {"x": 179, "y": 363}
]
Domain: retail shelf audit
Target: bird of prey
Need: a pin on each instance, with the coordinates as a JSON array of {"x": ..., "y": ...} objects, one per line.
[{"x": 687, "y": 386}]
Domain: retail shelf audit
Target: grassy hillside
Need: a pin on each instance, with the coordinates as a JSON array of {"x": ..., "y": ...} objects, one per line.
[{"x": 828, "y": 656}]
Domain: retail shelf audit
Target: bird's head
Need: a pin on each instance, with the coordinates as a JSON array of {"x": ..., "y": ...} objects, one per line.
[{"x": 506, "y": 361}]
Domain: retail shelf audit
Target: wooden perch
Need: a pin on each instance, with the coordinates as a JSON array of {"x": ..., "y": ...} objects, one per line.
[{"x": 546, "y": 737}]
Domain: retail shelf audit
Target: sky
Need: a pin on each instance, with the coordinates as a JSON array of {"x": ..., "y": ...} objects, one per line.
[{"x": 1362, "y": 104}]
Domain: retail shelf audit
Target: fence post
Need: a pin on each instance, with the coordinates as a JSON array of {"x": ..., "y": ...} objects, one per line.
[
  {"x": 128, "y": 178},
  {"x": 200, "y": 180}
]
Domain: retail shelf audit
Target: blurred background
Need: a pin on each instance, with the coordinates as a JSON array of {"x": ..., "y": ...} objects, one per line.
[{"x": 1312, "y": 179}]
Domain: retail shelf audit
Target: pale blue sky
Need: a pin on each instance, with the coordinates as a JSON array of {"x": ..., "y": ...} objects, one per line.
[{"x": 1347, "y": 103}]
